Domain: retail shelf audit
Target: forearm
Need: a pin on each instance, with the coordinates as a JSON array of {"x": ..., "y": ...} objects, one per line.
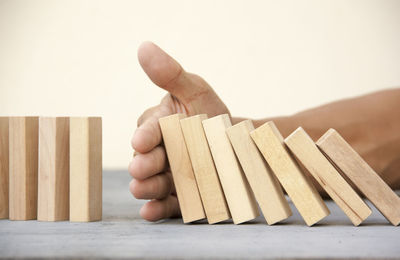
[{"x": 370, "y": 123}]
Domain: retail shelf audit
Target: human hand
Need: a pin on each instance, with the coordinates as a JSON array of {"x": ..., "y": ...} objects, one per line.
[{"x": 188, "y": 94}]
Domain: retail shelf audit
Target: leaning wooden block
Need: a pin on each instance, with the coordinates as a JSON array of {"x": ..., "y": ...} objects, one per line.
[
  {"x": 182, "y": 172},
  {"x": 299, "y": 188},
  {"x": 263, "y": 182},
  {"x": 303, "y": 147},
  {"x": 203, "y": 166},
  {"x": 23, "y": 156},
  {"x": 53, "y": 180},
  {"x": 85, "y": 169},
  {"x": 361, "y": 174},
  {"x": 240, "y": 198},
  {"x": 3, "y": 167}
]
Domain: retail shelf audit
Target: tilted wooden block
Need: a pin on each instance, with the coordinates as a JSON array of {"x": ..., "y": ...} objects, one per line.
[
  {"x": 203, "y": 166},
  {"x": 4, "y": 167},
  {"x": 299, "y": 188},
  {"x": 181, "y": 168},
  {"x": 266, "y": 188},
  {"x": 23, "y": 156},
  {"x": 240, "y": 198},
  {"x": 304, "y": 148},
  {"x": 85, "y": 169},
  {"x": 361, "y": 174},
  {"x": 53, "y": 180}
]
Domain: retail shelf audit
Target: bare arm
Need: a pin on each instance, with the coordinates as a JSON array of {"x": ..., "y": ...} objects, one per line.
[{"x": 370, "y": 123}]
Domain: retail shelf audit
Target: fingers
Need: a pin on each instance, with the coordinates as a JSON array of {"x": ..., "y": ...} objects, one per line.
[
  {"x": 159, "y": 209},
  {"x": 148, "y": 134},
  {"x": 168, "y": 74},
  {"x": 155, "y": 187},
  {"x": 147, "y": 114},
  {"x": 148, "y": 164}
]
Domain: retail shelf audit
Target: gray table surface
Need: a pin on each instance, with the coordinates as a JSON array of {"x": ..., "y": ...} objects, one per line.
[{"x": 122, "y": 234}]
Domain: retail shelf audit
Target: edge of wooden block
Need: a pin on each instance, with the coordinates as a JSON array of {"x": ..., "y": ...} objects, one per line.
[
  {"x": 300, "y": 135},
  {"x": 4, "y": 168},
  {"x": 326, "y": 135},
  {"x": 187, "y": 198}
]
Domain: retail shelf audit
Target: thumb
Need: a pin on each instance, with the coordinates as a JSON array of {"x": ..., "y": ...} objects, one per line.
[{"x": 168, "y": 74}]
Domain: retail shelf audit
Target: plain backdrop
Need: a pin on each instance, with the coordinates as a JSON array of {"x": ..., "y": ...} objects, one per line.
[{"x": 264, "y": 58}]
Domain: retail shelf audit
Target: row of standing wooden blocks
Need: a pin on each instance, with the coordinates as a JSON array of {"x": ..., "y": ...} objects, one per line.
[
  {"x": 51, "y": 168},
  {"x": 221, "y": 171}
]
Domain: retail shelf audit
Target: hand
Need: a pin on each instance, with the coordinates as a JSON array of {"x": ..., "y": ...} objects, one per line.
[{"x": 188, "y": 94}]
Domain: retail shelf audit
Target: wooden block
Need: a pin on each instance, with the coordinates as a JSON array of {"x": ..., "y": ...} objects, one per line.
[
  {"x": 3, "y": 167},
  {"x": 361, "y": 174},
  {"x": 240, "y": 198},
  {"x": 53, "y": 180},
  {"x": 85, "y": 169},
  {"x": 263, "y": 182},
  {"x": 304, "y": 148},
  {"x": 23, "y": 156},
  {"x": 210, "y": 188},
  {"x": 181, "y": 168},
  {"x": 299, "y": 188}
]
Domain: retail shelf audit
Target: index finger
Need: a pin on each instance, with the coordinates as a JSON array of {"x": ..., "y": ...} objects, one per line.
[{"x": 148, "y": 134}]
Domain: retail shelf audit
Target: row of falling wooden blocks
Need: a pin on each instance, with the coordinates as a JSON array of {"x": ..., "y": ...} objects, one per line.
[
  {"x": 51, "y": 168},
  {"x": 221, "y": 171}
]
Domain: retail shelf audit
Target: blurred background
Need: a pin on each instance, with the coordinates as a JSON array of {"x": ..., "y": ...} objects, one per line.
[{"x": 264, "y": 58}]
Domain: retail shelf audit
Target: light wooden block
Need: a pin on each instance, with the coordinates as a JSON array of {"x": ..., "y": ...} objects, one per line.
[
  {"x": 266, "y": 188},
  {"x": 23, "y": 156},
  {"x": 361, "y": 174},
  {"x": 240, "y": 198},
  {"x": 208, "y": 183},
  {"x": 305, "y": 150},
  {"x": 185, "y": 183},
  {"x": 53, "y": 173},
  {"x": 85, "y": 169},
  {"x": 299, "y": 188},
  {"x": 4, "y": 167}
]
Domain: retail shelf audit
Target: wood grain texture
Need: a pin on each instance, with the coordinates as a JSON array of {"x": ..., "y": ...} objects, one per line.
[
  {"x": 361, "y": 174},
  {"x": 182, "y": 173},
  {"x": 305, "y": 150},
  {"x": 263, "y": 182},
  {"x": 4, "y": 161},
  {"x": 85, "y": 169},
  {"x": 207, "y": 179},
  {"x": 299, "y": 188},
  {"x": 53, "y": 173},
  {"x": 240, "y": 198},
  {"x": 23, "y": 156}
]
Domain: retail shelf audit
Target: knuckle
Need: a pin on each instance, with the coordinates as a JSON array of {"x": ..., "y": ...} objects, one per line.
[
  {"x": 158, "y": 158},
  {"x": 135, "y": 168},
  {"x": 135, "y": 189},
  {"x": 155, "y": 187},
  {"x": 133, "y": 141},
  {"x": 131, "y": 168}
]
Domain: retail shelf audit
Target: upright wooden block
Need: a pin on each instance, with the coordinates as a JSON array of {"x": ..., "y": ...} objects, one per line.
[
  {"x": 85, "y": 169},
  {"x": 361, "y": 174},
  {"x": 299, "y": 188},
  {"x": 303, "y": 147},
  {"x": 266, "y": 188},
  {"x": 181, "y": 168},
  {"x": 53, "y": 181},
  {"x": 240, "y": 198},
  {"x": 203, "y": 166},
  {"x": 23, "y": 152},
  {"x": 3, "y": 167}
]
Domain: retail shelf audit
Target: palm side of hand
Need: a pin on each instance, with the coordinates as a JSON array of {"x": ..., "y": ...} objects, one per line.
[{"x": 188, "y": 94}]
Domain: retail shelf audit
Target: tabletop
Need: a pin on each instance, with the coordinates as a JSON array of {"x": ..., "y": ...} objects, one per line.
[{"x": 122, "y": 234}]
